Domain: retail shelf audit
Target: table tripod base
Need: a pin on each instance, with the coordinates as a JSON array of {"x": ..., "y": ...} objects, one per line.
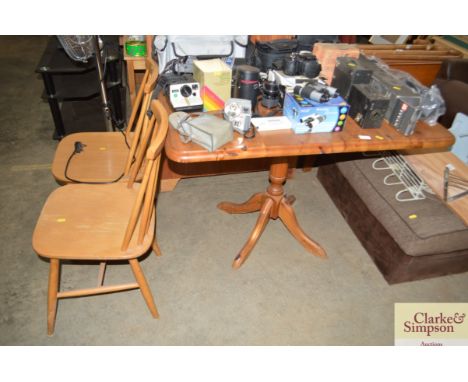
[
  {"x": 272, "y": 204},
  {"x": 267, "y": 206}
]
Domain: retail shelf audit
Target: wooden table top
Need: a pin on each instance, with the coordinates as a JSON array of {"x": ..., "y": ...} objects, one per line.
[{"x": 284, "y": 143}]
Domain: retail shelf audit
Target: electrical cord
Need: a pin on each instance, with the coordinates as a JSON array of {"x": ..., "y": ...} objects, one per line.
[
  {"x": 79, "y": 147},
  {"x": 125, "y": 138},
  {"x": 253, "y": 132}
]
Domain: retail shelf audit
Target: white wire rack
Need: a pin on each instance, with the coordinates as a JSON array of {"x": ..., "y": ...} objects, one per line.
[
  {"x": 454, "y": 181},
  {"x": 414, "y": 188}
]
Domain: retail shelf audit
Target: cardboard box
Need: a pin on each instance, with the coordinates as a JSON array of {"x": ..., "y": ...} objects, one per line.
[
  {"x": 214, "y": 77},
  {"x": 307, "y": 116},
  {"x": 328, "y": 53}
]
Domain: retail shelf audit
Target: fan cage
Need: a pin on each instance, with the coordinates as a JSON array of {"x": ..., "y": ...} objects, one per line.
[{"x": 78, "y": 47}]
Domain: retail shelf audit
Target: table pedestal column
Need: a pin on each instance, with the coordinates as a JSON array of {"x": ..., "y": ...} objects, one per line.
[{"x": 272, "y": 204}]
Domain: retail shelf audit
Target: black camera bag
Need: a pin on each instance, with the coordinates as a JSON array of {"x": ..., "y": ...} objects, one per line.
[{"x": 270, "y": 54}]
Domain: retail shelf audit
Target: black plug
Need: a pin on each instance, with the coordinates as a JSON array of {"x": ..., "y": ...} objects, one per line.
[{"x": 79, "y": 147}]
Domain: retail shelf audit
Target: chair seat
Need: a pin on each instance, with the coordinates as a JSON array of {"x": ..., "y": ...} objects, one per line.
[
  {"x": 88, "y": 222},
  {"x": 103, "y": 159}
]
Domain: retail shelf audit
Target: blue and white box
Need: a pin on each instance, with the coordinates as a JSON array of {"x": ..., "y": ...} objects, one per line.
[{"x": 307, "y": 116}]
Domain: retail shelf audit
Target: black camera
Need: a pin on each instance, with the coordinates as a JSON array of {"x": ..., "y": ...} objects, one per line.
[
  {"x": 316, "y": 90},
  {"x": 349, "y": 72},
  {"x": 301, "y": 64},
  {"x": 369, "y": 104}
]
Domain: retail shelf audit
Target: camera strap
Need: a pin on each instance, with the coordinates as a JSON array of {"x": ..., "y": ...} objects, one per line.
[{"x": 184, "y": 128}]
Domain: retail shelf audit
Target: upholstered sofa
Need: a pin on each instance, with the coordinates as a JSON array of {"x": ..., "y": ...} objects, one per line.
[{"x": 407, "y": 240}]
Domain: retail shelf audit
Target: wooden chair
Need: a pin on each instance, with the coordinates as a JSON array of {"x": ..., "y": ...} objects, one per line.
[
  {"x": 109, "y": 222},
  {"x": 107, "y": 156}
]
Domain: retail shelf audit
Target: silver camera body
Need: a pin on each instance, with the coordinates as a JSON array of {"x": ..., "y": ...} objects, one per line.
[{"x": 238, "y": 112}]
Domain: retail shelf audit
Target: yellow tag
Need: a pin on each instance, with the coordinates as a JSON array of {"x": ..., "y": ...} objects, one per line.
[
  {"x": 61, "y": 220},
  {"x": 413, "y": 216},
  {"x": 103, "y": 148},
  {"x": 351, "y": 64},
  {"x": 379, "y": 137},
  {"x": 396, "y": 88}
]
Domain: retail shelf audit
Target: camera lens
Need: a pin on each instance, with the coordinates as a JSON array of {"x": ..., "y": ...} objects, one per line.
[
  {"x": 186, "y": 91},
  {"x": 375, "y": 115},
  {"x": 247, "y": 83},
  {"x": 270, "y": 94}
]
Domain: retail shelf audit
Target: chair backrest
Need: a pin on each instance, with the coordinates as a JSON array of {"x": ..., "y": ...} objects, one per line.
[
  {"x": 140, "y": 107},
  {"x": 143, "y": 207}
]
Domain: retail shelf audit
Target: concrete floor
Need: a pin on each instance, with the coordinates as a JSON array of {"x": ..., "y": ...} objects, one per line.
[{"x": 281, "y": 296}]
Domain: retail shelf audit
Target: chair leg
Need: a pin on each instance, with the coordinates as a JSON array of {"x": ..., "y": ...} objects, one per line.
[
  {"x": 155, "y": 248},
  {"x": 144, "y": 287},
  {"x": 52, "y": 295},
  {"x": 102, "y": 271}
]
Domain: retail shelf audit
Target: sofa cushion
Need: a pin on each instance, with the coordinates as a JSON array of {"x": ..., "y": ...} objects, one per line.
[{"x": 421, "y": 227}]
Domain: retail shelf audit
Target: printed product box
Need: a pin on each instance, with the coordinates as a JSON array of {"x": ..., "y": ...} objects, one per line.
[
  {"x": 307, "y": 116},
  {"x": 214, "y": 77}
]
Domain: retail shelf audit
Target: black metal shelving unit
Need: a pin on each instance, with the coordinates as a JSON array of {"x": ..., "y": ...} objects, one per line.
[{"x": 72, "y": 88}]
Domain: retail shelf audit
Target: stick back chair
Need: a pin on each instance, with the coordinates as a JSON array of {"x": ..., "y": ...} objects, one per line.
[
  {"x": 102, "y": 223},
  {"x": 107, "y": 156}
]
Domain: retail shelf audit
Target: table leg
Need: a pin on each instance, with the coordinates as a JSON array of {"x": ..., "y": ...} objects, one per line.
[
  {"x": 309, "y": 162},
  {"x": 257, "y": 231},
  {"x": 255, "y": 203},
  {"x": 272, "y": 204},
  {"x": 131, "y": 81},
  {"x": 168, "y": 185},
  {"x": 288, "y": 217},
  {"x": 292, "y": 166}
]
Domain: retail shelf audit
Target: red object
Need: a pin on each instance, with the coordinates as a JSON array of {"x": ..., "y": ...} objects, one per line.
[{"x": 348, "y": 39}]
